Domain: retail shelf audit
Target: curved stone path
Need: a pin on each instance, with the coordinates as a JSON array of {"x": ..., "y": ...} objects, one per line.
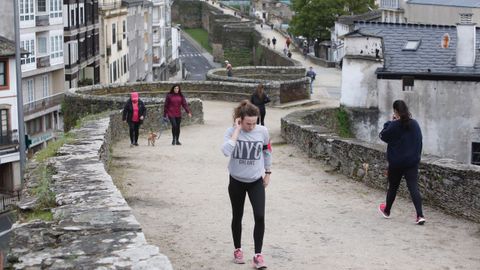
[{"x": 314, "y": 219}]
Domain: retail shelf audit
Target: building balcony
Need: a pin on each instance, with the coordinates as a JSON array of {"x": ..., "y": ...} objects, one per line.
[
  {"x": 43, "y": 61},
  {"x": 43, "y": 104},
  {"x": 106, "y": 5},
  {"x": 9, "y": 139},
  {"x": 42, "y": 20},
  {"x": 389, "y": 4}
]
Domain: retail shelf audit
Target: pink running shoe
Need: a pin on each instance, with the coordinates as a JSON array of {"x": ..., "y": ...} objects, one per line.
[
  {"x": 420, "y": 220},
  {"x": 259, "y": 262},
  {"x": 238, "y": 256},
  {"x": 381, "y": 208}
]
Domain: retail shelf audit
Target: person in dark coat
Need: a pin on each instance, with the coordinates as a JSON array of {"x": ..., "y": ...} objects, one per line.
[
  {"x": 134, "y": 113},
  {"x": 259, "y": 98},
  {"x": 172, "y": 109},
  {"x": 404, "y": 150}
]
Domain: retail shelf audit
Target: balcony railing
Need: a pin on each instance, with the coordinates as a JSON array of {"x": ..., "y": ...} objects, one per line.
[
  {"x": 9, "y": 138},
  {"x": 42, "y": 104},
  {"x": 42, "y": 20},
  {"x": 43, "y": 61},
  {"x": 389, "y": 4}
]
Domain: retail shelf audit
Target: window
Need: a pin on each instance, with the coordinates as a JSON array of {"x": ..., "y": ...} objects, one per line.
[
  {"x": 3, "y": 74},
  {"x": 82, "y": 18},
  {"x": 28, "y": 45},
  {"x": 45, "y": 86},
  {"x": 30, "y": 91},
  {"x": 56, "y": 46},
  {"x": 412, "y": 45},
  {"x": 42, "y": 45},
  {"x": 26, "y": 10},
  {"x": 42, "y": 5},
  {"x": 114, "y": 33},
  {"x": 114, "y": 71},
  {"x": 124, "y": 29},
  {"x": 476, "y": 153},
  {"x": 72, "y": 17},
  {"x": 111, "y": 73},
  {"x": 4, "y": 122},
  {"x": 48, "y": 121},
  {"x": 407, "y": 83},
  {"x": 125, "y": 63},
  {"x": 55, "y": 9}
]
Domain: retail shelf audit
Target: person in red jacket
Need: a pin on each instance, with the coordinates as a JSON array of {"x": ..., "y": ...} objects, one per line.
[
  {"x": 172, "y": 109},
  {"x": 134, "y": 112}
]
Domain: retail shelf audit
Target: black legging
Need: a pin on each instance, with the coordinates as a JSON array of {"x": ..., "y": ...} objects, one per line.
[
  {"x": 175, "y": 122},
  {"x": 261, "y": 119},
  {"x": 133, "y": 128},
  {"x": 411, "y": 176},
  {"x": 256, "y": 194}
]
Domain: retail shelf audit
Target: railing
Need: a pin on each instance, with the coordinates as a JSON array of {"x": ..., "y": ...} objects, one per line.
[
  {"x": 104, "y": 4},
  {"x": 390, "y": 4},
  {"x": 10, "y": 138},
  {"x": 9, "y": 200},
  {"x": 43, "y": 61},
  {"x": 42, "y": 20},
  {"x": 42, "y": 104}
]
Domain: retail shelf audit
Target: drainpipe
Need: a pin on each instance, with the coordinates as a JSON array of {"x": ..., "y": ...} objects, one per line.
[{"x": 21, "y": 124}]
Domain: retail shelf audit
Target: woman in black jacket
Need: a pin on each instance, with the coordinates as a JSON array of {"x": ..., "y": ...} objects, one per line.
[
  {"x": 259, "y": 98},
  {"x": 404, "y": 150},
  {"x": 134, "y": 112}
]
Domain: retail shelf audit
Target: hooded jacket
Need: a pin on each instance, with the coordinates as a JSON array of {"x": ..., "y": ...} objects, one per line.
[{"x": 128, "y": 108}]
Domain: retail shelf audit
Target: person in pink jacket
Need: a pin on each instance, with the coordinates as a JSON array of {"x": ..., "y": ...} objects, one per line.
[{"x": 172, "y": 110}]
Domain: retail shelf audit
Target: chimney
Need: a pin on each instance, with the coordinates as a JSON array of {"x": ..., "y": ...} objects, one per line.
[{"x": 466, "y": 36}]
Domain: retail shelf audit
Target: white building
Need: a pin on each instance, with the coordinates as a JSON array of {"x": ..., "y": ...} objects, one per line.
[
  {"x": 434, "y": 68},
  {"x": 114, "y": 66},
  {"x": 43, "y": 76},
  {"x": 9, "y": 147},
  {"x": 162, "y": 39}
]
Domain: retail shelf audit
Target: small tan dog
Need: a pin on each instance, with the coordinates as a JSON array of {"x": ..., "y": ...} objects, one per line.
[{"x": 151, "y": 138}]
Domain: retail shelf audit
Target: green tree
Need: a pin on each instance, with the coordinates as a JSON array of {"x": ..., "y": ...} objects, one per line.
[{"x": 314, "y": 18}]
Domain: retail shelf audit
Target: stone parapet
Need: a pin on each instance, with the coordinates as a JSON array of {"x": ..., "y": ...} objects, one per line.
[
  {"x": 444, "y": 183},
  {"x": 93, "y": 227}
]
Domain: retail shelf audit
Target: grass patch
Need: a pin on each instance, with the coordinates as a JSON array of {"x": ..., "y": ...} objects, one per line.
[
  {"x": 344, "y": 129},
  {"x": 201, "y": 36},
  {"x": 43, "y": 191},
  {"x": 53, "y": 147},
  {"x": 45, "y": 215}
]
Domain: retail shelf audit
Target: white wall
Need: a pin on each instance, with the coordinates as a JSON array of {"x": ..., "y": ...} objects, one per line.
[
  {"x": 448, "y": 114},
  {"x": 363, "y": 46}
]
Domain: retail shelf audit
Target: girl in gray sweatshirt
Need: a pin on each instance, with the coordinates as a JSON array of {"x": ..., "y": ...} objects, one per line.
[{"x": 247, "y": 145}]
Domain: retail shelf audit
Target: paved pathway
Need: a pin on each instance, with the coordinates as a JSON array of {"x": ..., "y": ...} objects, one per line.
[{"x": 314, "y": 219}]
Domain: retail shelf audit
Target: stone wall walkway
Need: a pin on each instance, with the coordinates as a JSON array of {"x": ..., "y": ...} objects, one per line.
[{"x": 315, "y": 219}]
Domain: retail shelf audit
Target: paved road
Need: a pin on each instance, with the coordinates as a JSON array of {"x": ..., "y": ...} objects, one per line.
[{"x": 194, "y": 60}]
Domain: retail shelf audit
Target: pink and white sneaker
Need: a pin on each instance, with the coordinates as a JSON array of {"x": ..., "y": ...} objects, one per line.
[
  {"x": 381, "y": 208},
  {"x": 238, "y": 256},
  {"x": 420, "y": 220},
  {"x": 259, "y": 262}
]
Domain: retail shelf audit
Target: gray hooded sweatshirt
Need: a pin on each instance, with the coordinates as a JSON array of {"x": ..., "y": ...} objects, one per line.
[{"x": 248, "y": 159}]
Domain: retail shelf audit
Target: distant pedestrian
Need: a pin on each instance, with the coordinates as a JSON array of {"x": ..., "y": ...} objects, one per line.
[
  {"x": 248, "y": 146},
  {"x": 259, "y": 98},
  {"x": 261, "y": 25},
  {"x": 228, "y": 68},
  {"x": 289, "y": 54},
  {"x": 311, "y": 74},
  {"x": 268, "y": 42},
  {"x": 285, "y": 50},
  {"x": 274, "y": 41},
  {"x": 305, "y": 52},
  {"x": 271, "y": 26},
  {"x": 288, "y": 42},
  {"x": 174, "y": 101},
  {"x": 134, "y": 112},
  {"x": 404, "y": 149}
]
